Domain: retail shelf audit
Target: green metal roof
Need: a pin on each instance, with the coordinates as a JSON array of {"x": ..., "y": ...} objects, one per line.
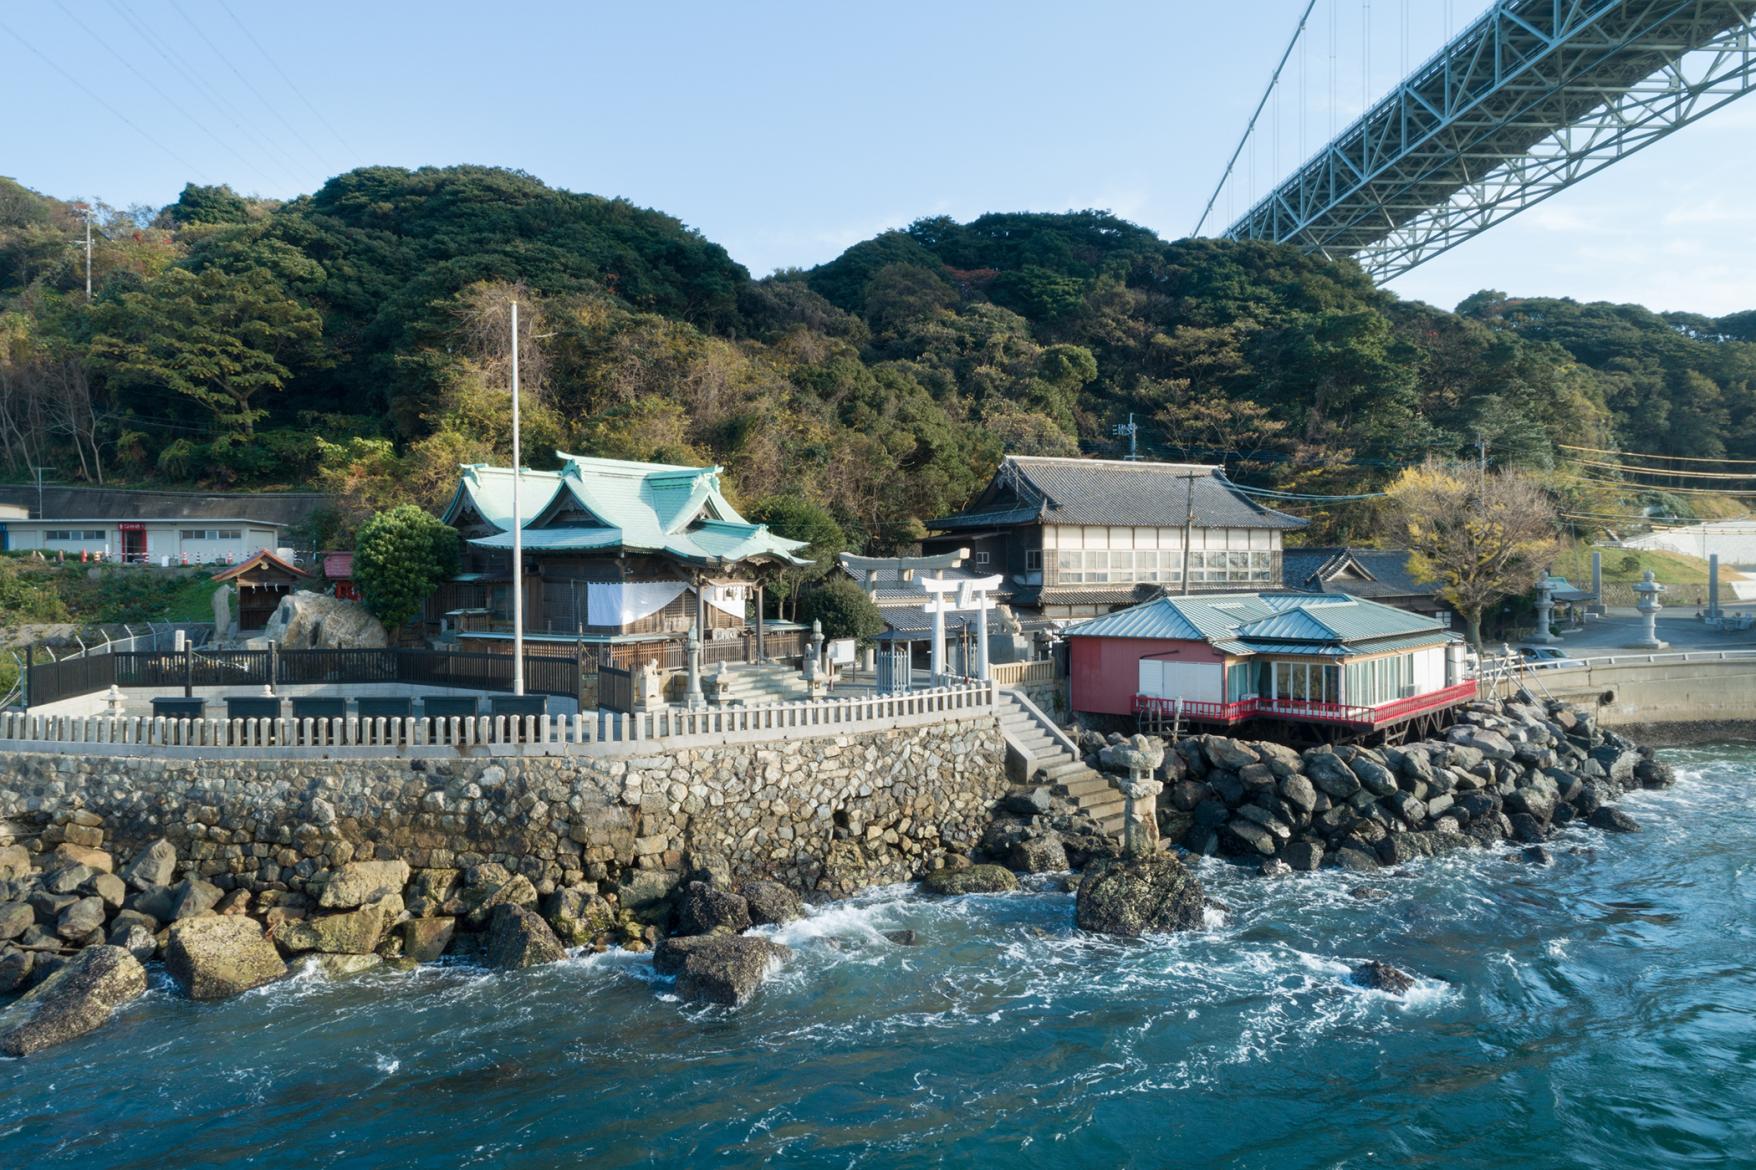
[
  {"x": 659, "y": 508},
  {"x": 1271, "y": 623}
]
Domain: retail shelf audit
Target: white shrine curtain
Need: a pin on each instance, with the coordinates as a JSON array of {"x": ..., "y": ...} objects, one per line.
[
  {"x": 622, "y": 602},
  {"x": 728, "y": 599}
]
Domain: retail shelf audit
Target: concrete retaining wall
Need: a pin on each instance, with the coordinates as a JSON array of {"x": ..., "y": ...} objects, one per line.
[
  {"x": 827, "y": 812},
  {"x": 1662, "y": 702}
]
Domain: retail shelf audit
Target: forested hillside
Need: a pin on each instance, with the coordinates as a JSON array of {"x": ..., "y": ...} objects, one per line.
[{"x": 355, "y": 338}]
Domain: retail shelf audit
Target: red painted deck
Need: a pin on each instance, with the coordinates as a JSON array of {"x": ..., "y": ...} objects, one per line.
[{"x": 1311, "y": 711}]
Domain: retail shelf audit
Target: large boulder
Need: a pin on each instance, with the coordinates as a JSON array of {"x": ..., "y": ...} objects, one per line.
[
  {"x": 15, "y": 968},
  {"x": 75, "y": 1000},
  {"x": 193, "y": 897},
  {"x": 15, "y": 862},
  {"x": 1330, "y": 773},
  {"x": 1136, "y": 896},
  {"x": 705, "y": 909},
  {"x": 1611, "y": 819},
  {"x": 317, "y": 621},
  {"x": 578, "y": 914},
  {"x": 1491, "y": 744},
  {"x": 519, "y": 938},
  {"x": 648, "y": 893},
  {"x": 1230, "y": 753},
  {"x": 355, "y": 932},
  {"x": 1380, "y": 976},
  {"x": 153, "y": 866},
  {"x": 484, "y": 896},
  {"x": 424, "y": 939},
  {"x": 80, "y": 920},
  {"x": 360, "y": 882},
  {"x": 220, "y": 955},
  {"x": 1042, "y": 854},
  {"x": 724, "y": 968},
  {"x": 973, "y": 879},
  {"x": 771, "y": 904},
  {"x": 15, "y": 919}
]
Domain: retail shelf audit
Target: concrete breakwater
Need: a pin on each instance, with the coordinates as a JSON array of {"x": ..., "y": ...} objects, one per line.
[{"x": 1514, "y": 770}]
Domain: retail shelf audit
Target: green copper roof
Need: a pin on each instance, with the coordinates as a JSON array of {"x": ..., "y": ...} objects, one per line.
[
  {"x": 1266, "y": 623},
  {"x": 602, "y": 504}
]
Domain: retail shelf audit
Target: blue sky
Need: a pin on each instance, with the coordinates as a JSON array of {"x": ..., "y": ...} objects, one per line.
[{"x": 786, "y": 131}]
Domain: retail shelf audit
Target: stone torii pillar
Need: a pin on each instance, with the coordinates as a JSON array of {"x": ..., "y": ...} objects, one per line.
[{"x": 972, "y": 597}]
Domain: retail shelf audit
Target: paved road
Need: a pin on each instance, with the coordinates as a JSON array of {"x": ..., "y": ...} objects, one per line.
[{"x": 1621, "y": 627}]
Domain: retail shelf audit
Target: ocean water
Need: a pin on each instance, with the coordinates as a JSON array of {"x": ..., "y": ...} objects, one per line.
[{"x": 1599, "y": 1012}]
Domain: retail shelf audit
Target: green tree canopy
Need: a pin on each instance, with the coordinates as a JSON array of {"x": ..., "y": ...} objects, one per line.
[
  {"x": 843, "y": 609},
  {"x": 400, "y": 558},
  {"x": 220, "y": 341}
]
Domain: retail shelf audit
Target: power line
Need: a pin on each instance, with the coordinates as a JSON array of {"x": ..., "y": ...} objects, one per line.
[
  {"x": 83, "y": 88},
  {"x": 248, "y": 84},
  {"x": 221, "y": 106},
  {"x": 275, "y": 65},
  {"x": 1743, "y": 475},
  {"x": 1664, "y": 490},
  {"x": 169, "y": 100},
  {"x": 1652, "y": 455}
]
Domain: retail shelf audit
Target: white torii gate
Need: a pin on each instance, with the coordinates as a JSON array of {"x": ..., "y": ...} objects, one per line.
[{"x": 972, "y": 597}]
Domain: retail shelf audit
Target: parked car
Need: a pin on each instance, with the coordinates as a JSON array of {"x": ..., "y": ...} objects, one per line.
[{"x": 1546, "y": 657}]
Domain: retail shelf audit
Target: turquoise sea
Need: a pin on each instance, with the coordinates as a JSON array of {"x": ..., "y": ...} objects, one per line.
[{"x": 1598, "y": 1012}]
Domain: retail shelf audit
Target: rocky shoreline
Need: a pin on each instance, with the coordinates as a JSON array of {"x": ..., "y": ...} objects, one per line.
[{"x": 76, "y": 927}]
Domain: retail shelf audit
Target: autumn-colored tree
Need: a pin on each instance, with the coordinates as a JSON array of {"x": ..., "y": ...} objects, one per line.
[{"x": 1481, "y": 537}]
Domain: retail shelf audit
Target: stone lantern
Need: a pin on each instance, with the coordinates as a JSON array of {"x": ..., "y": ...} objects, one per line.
[
  {"x": 1648, "y": 605},
  {"x": 1136, "y": 761},
  {"x": 1545, "y": 608}
]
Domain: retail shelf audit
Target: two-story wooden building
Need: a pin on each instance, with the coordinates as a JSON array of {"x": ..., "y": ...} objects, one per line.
[
  {"x": 1081, "y": 537},
  {"x": 615, "y": 552}
]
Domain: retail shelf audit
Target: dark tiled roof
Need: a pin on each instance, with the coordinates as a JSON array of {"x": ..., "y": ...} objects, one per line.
[
  {"x": 1386, "y": 569},
  {"x": 91, "y": 503},
  {"x": 1109, "y": 491}
]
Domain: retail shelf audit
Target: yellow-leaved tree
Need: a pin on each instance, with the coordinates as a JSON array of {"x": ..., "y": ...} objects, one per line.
[{"x": 1482, "y": 537}]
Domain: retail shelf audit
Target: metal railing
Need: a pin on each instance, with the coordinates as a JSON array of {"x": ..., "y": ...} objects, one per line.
[
  {"x": 545, "y": 674},
  {"x": 597, "y": 732},
  {"x": 91, "y": 667},
  {"x": 1311, "y": 710}
]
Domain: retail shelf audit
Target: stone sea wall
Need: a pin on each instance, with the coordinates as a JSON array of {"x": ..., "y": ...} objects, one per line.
[{"x": 832, "y": 813}]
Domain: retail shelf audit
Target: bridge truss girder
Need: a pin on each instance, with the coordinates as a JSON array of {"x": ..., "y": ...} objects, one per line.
[{"x": 1530, "y": 99}]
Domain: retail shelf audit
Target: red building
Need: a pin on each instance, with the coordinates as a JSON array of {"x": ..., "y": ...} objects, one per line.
[{"x": 1227, "y": 659}]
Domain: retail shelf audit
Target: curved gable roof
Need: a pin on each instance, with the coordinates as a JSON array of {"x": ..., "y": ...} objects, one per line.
[
  {"x": 659, "y": 508},
  {"x": 1058, "y": 490}
]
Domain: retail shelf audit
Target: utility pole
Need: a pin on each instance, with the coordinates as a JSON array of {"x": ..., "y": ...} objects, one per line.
[
  {"x": 1482, "y": 466},
  {"x": 517, "y": 528},
  {"x": 1132, "y": 431},
  {"x": 87, "y": 208},
  {"x": 1188, "y": 524},
  {"x": 38, "y": 471}
]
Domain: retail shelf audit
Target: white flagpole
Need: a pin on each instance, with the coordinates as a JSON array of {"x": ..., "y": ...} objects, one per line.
[{"x": 517, "y": 528}]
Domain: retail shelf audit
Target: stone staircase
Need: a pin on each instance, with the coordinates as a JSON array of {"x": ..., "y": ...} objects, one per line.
[
  {"x": 1048, "y": 751},
  {"x": 751, "y": 686}
]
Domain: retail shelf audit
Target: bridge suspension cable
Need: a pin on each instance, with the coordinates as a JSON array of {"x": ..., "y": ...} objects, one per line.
[{"x": 1257, "y": 113}]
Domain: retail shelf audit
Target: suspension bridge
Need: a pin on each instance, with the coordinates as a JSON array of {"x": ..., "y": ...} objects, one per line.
[{"x": 1528, "y": 99}]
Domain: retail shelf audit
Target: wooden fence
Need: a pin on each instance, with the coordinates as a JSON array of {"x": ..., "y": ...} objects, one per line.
[
  {"x": 599, "y": 732},
  {"x": 1012, "y": 674}
]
